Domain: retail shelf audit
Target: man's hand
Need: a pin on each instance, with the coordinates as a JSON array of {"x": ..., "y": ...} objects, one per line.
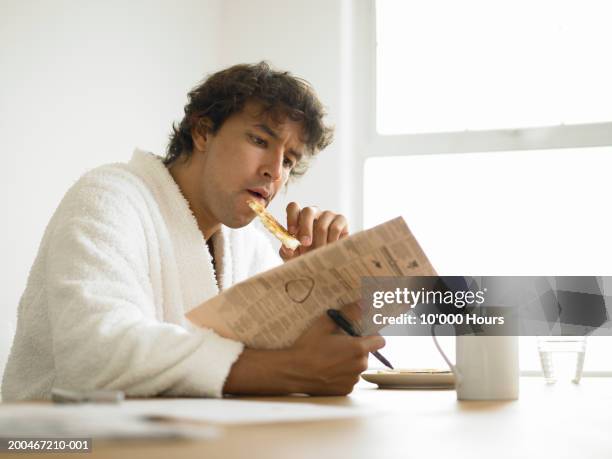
[
  {"x": 323, "y": 361},
  {"x": 330, "y": 361},
  {"x": 312, "y": 228}
]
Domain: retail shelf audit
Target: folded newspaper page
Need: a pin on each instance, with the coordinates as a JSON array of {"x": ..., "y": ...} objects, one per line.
[{"x": 272, "y": 309}]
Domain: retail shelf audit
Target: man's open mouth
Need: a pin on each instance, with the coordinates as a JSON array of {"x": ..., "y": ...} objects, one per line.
[{"x": 258, "y": 195}]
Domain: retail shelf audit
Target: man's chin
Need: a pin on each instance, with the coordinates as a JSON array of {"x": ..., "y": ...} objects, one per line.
[{"x": 239, "y": 222}]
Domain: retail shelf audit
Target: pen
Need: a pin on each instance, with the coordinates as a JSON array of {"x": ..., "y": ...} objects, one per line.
[{"x": 345, "y": 325}]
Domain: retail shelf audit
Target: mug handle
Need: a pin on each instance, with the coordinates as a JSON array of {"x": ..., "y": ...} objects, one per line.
[{"x": 446, "y": 359}]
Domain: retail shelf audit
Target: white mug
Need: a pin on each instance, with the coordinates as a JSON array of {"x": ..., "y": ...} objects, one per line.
[{"x": 487, "y": 367}]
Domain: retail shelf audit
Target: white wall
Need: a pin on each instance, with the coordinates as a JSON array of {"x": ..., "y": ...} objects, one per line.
[
  {"x": 84, "y": 82},
  {"x": 81, "y": 84}
]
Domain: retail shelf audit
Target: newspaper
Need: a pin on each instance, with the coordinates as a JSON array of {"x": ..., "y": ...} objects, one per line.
[{"x": 272, "y": 309}]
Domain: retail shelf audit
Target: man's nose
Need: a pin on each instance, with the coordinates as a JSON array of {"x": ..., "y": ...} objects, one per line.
[{"x": 273, "y": 167}]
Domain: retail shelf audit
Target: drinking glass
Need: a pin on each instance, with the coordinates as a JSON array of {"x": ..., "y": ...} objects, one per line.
[{"x": 562, "y": 357}]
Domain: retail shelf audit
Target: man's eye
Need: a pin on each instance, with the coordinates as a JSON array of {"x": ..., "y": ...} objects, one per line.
[
  {"x": 258, "y": 141},
  {"x": 288, "y": 163}
]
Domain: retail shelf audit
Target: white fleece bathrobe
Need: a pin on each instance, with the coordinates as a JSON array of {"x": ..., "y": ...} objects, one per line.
[{"x": 120, "y": 263}]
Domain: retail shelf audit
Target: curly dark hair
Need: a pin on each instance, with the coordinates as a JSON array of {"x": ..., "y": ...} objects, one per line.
[{"x": 226, "y": 92}]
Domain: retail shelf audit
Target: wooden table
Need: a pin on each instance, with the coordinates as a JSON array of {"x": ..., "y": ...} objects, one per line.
[{"x": 560, "y": 421}]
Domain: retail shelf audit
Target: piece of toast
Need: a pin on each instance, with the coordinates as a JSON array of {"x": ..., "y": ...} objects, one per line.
[{"x": 273, "y": 225}]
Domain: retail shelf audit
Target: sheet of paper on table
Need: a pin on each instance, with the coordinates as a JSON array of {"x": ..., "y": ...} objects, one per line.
[
  {"x": 237, "y": 411},
  {"x": 19, "y": 420},
  {"x": 272, "y": 309},
  {"x": 156, "y": 418}
]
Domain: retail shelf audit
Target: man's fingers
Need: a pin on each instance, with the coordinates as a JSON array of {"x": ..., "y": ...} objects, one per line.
[
  {"x": 337, "y": 228},
  {"x": 293, "y": 213},
  {"x": 321, "y": 229},
  {"x": 305, "y": 224},
  {"x": 313, "y": 228}
]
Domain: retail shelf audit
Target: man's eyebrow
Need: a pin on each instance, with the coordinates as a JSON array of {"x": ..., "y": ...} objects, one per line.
[{"x": 268, "y": 130}]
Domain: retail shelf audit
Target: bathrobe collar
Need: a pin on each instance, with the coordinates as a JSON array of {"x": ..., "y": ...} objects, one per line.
[{"x": 194, "y": 262}]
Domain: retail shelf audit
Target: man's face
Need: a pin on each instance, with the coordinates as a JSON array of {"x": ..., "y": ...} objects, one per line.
[{"x": 250, "y": 157}]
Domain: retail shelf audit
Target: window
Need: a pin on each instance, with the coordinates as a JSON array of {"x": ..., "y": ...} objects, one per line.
[
  {"x": 488, "y": 126},
  {"x": 444, "y": 65},
  {"x": 503, "y": 213}
]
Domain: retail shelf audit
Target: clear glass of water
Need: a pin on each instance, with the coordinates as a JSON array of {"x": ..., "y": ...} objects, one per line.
[{"x": 562, "y": 357}]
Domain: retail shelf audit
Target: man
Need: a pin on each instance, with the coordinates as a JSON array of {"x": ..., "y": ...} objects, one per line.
[{"x": 133, "y": 247}]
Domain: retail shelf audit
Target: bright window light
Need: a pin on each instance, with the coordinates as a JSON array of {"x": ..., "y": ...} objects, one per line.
[
  {"x": 444, "y": 65},
  {"x": 501, "y": 213}
]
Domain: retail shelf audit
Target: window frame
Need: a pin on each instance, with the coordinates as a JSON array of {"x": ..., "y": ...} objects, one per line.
[
  {"x": 515, "y": 139},
  {"x": 368, "y": 143}
]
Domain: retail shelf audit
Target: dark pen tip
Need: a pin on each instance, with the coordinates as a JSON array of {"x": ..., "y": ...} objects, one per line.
[{"x": 382, "y": 359}]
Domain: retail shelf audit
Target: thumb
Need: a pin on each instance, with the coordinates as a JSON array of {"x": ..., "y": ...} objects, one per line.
[
  {"x": 286, "y": 254},
  {"x": 373, "y": 343}
]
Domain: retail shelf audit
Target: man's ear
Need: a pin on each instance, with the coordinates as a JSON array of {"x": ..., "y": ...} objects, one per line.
[{"x": 200, "y": 133}]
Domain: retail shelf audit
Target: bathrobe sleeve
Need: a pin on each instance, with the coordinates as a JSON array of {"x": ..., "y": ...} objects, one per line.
[{"x": 101, "y": 306}]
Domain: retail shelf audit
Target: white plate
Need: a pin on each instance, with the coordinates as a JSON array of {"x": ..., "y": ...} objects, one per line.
[{"x": 411, "y": 379}]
